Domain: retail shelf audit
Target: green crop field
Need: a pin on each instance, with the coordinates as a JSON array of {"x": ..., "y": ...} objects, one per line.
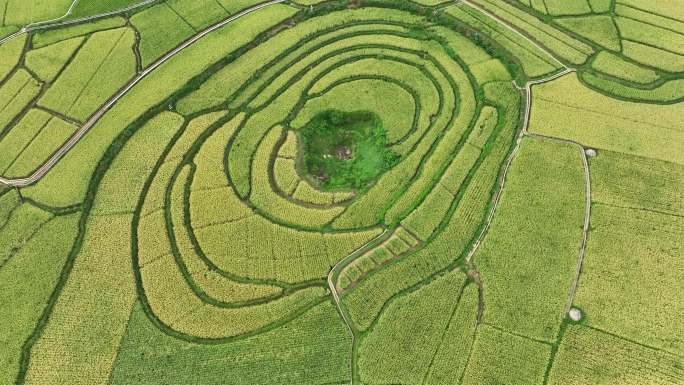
[{"x": 341, "y": 192}]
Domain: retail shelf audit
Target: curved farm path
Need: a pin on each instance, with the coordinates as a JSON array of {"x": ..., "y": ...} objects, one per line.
[
  {"x": 502, "y": 180},
  {"x": 59, "y": 154}
]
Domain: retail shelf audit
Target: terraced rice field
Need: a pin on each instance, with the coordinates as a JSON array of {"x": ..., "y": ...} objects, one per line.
[{"x": 341, "y": 192}]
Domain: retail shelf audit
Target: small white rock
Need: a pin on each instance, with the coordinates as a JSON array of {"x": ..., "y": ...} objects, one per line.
[
  {"x": 575, "y": 314},
  {"x": 590, "y": 152}
]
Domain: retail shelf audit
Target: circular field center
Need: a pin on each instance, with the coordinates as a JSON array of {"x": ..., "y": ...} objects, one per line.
[{"x": 345, "y": 150}]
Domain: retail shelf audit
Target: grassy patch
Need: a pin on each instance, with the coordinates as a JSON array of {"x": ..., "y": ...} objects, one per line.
[
  {"x": 345, "y": 150},
  {"x": 392, "y": 102}
]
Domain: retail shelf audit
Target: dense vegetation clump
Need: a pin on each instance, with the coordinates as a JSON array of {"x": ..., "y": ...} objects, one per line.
[{"x": 345, "y": 149}]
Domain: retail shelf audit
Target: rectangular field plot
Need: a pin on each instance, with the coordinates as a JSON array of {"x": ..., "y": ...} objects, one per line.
[
  {"x": 101, "y": 67},
  {"x": 501, "y": 358},
  {"x": 23, "y": 222},
  {"x": 89, "y": 8},
  {"x": 399, "y": 243},
  {"x": 564, "y": 108},
  {"x": 652, "y": 56},
  {"x": 15, "y": 95},
  {"x": 48, "y": 61},
  {"x": 636, "y": 182},
  {"x": 10, "y": 51},
  {"x": 91, "y": 311},
  {"x": 20, "y": 136},
  {"x": 31, "y": 142},
  {"x": 9, "y": 200},
  {"x": 451, "y": 358},
  {"x": 528, "y": 257},
  {"x": 651, "y": 35},
  {"x": 662, "y": 14},
  {"x": 660, "y": 8},
  {"x": 21, "y": 12},
  {"x": 589, "y": 356},
  {"x": 599, "y": 29},
  {"x": 614, "y": 65},
  {"x": 198, "y": 13},
  {"x": 634, "y": 264},
  {"x": 567, "y": 7},
  {"x": 44, "y": 38}
]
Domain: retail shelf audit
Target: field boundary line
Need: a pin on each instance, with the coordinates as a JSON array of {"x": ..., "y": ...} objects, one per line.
[
  {"x": 514, "y": 334},
  {"x": 630, "y": 340},
  {"x": 637, "y": 208},
  {"x": 332, "y": 276},
  {"x": 76, "y": 137}
]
